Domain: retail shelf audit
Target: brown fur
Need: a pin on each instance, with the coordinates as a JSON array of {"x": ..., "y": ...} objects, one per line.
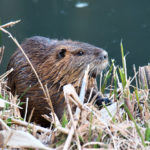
[{"x": 57, "y": 63}]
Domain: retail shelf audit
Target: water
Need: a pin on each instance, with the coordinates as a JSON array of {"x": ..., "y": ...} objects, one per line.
[{"x": 103, "y": 23}]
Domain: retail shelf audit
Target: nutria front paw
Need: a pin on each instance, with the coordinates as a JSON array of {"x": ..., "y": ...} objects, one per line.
[{"x": 99, "y": 101}]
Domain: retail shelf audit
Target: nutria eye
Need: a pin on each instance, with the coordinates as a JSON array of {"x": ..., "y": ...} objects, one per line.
[
  {"x": 80, "y": 53},
  {"x": 62, "y": 53}
]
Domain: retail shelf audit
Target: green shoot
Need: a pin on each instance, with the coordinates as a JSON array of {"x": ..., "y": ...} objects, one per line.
[
  {"x": 90, "y": 129},
  {"x": 136, "y": 126},
  {"x": 123, "y": 61},
  {"x": 64, "y": 120},
  {"x": 9, "y": 122},
  {"x": 1, "y": 96},
  {"x": 123, "y": 71},
  {"x": 21, "y": 103},
  {"x": 98, "y": 139},
  {"x": 107, "y": 76},
  {"x": 26, "y": 90},
  {"x": 81, "y": 139},
  {"x": 122, "y": 76},
  {"x": 147, "y": 134},
  {"x": 109, "y": 112},
  {"x": 137, "y": 98}
]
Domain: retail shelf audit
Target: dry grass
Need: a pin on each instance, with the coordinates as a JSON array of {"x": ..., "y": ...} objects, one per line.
[{"x": 123, "y": 125}]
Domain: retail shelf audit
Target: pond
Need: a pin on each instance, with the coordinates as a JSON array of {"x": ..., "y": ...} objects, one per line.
[{"x": 103, "y": 23}]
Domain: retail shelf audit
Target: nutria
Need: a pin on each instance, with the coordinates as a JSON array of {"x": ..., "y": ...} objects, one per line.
[{"x": 57, "y": 63}]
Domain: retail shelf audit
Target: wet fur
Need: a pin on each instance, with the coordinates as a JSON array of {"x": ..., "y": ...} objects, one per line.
[{"x": 57, "y": 63}]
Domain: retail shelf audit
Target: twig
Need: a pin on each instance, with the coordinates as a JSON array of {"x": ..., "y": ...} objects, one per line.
[
  {"x": 1, "y": 53},
  {"x": 31, "y": 114},
  {"x": 100, "y": 81},
  {"x": 69, "y": 138},
  {"x": 94, "y": 98},
  {"x": 95, "y": 143},
  {"x": 10, "y": 103},
  {"x": 73, "y": 123},
  {"x": 8, "y": 131},
  {"x": 4, "y": 124},
  {"x": 70, "y": 91},
  {"x": 56, "y": 123},
  {"x": 84, "y": 85},
  {"x": 63, "y": 130},
  {"x": 83, "y": 90},
  {"x": 48, "y": 99},
  {"x": 26, "y": 110},
  {"x": 6, "y": 74},
  {"x": 15, "y": 108},
  {"x": 134, "y": 68},
  {"x": 90, "y": 96},
  {"x": 76, "y": 102},
  {"x": 10, "y": 24},
  {"x": 26, "y": 124},
  {"x": 77, "y": 113},
  {"x": 110, "y": 133}
]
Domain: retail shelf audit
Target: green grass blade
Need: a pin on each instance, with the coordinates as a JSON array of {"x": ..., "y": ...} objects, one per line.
[
  {"x": 136, "y": 126},
  {"x": 107, "y": 76},
  {"x": 115, "y": 85},
  {"x": 147, "y": 134},
  {"x": 137, "y": 98},
  {"x": 64, "y": 120},
  {"x": 122, "y": 54},
  {"x": 122, "y": 76},
  {"x": 98, "y": 139},
  {"x": 26, "y": 90},
  {"x": 109, "y": 112},
  {"x": 124, "y": 71},
  {"x": 90, "y": 129}
]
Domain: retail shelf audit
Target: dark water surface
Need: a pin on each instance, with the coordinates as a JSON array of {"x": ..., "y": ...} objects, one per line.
[{"x": 102, "y": 23}]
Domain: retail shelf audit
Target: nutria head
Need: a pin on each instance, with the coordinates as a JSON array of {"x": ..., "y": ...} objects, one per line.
[{"x": 67, "y": 60}]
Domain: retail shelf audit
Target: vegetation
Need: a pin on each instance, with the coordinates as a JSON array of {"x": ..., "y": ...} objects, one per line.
[{"x": 122, "y": 125}]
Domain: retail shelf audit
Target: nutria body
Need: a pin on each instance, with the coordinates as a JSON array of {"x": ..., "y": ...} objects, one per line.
[{"x": 57, "y": 63}]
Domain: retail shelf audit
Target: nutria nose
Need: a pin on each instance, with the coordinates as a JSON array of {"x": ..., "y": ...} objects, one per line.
[{"x": 103, "y": 55}]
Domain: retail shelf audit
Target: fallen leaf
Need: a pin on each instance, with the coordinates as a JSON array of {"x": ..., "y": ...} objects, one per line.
[{"x": 20, "y": 139}]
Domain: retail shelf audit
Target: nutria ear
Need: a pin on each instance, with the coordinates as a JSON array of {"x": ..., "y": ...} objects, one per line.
[{"x": 62, "y": 53}]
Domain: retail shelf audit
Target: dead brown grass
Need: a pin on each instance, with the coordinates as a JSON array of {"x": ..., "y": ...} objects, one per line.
[{"x": 87, "y": 128}]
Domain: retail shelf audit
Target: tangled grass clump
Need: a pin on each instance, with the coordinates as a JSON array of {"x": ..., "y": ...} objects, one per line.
[{"x": 122, "y": 125}]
